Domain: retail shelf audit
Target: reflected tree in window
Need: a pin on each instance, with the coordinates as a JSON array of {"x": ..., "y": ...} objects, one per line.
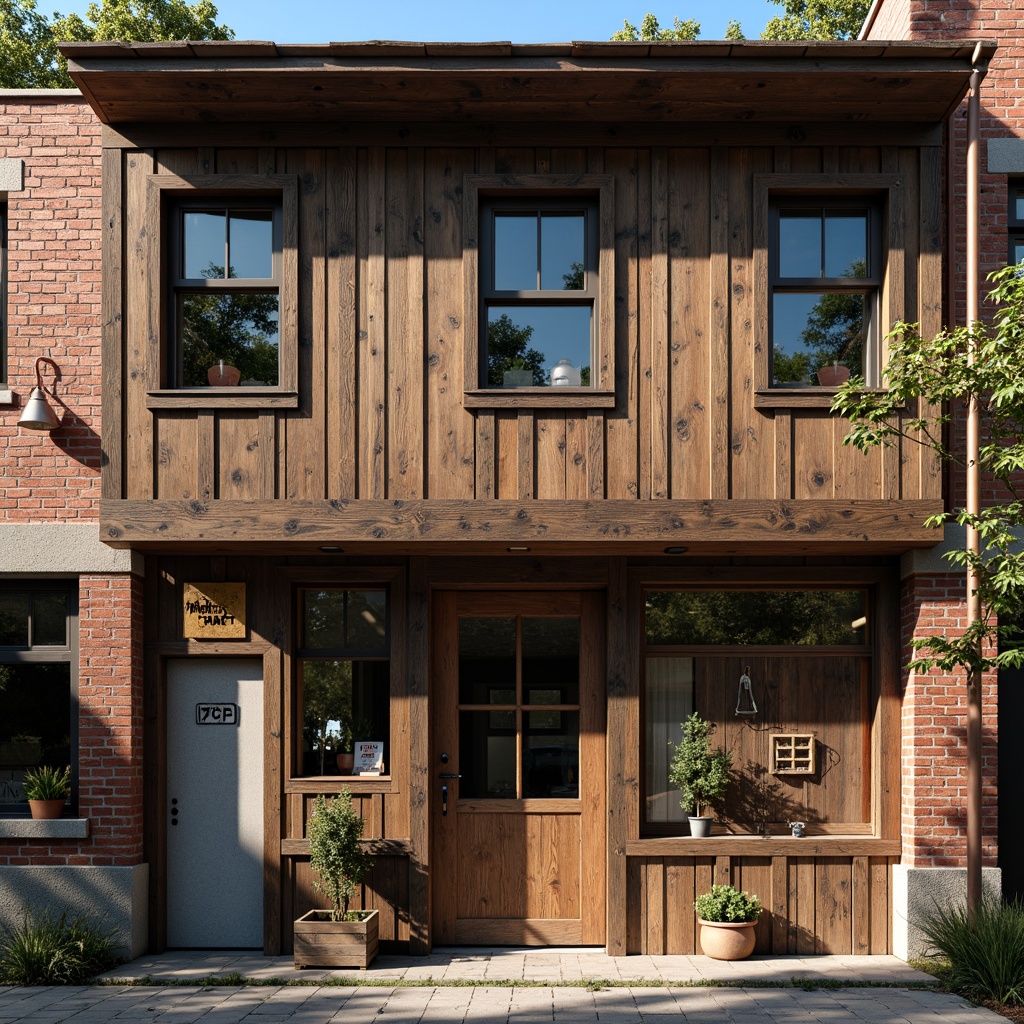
[
  {"x": 835, "y": 330},
  {"x": 508, "y": 348},
  {"x": 326, "y": 708},
  {"x": 239, "y": 328}
]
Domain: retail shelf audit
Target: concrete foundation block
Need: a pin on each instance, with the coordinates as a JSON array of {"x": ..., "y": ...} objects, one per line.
[
  {"x": 118, "y": 896},
  {"x": 917, "y": 893}
]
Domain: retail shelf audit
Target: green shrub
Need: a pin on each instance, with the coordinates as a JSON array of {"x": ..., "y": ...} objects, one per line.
[
  {"x": 726, "y": 904},
  {"x": 986, "y": 956},
  {"x": 45, "y": 951},
  {"x": 699, "y": 773},
  {"x": 335, "y": 854},
  {"x": 46, "y": 783}
]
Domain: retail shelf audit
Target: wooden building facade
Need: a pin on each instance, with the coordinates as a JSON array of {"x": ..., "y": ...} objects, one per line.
[{"x": 505, "y": 580}]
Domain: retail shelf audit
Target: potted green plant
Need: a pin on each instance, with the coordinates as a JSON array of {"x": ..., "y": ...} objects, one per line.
[
  {"x": 46, "y": 790},
  {"x": 727, "y": 918},
  {"x": 699, "y": 773},
  {"x": 338, "y": 937}
]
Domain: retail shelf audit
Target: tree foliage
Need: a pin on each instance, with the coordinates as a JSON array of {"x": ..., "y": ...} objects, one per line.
[
  {"x": 508, "y": 348},
  {"x": 28, "y": 39},
  {"x": 817, "y": 19},
  {"x": 699, "y": 773},
  {"x": 936, "y": 377},
  {"x": 650, "y": 31},
  {"x": 334, "y": 852}
]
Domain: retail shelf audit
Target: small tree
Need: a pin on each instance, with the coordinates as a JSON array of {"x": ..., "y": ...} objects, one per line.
[
  {"x": 335, "y": 854},
  {"x": 699, "y": 773}
]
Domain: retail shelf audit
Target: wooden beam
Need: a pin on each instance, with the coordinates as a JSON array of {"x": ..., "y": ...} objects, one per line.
[
  {"x": 613, "y": 524},
  {"x": 757, "y": 846}
]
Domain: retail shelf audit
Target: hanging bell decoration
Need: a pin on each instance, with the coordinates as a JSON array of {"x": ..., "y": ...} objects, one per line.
[{"x": 745, "y": 703}]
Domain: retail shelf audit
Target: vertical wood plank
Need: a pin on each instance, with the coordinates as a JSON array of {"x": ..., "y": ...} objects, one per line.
[
  {"x": 622, "y": 747},
  {"x": 305, "y": 427},
  {"x": 551, "y": 455},
  {"x": 806, "y": 901},
  {"x": 723, "y": 870},
  {"x": 654, "y": 902},
  {"x": 342, "y": 437},
  {"x": 930, "y": 288},
  {"x": 656, "y": 370},
  {"x": 783, "y": 454},
  {"x": 112, "y": 317},
  {"x": 780, "y": 909},
  {"x": 832, "y": 912},
  {"x": 524, "y": 454},
  {"x": 450, "y": 427},
  {"x": 679, "y": 896},
  {"x": 634, "y": 911},
  {"x": 861, "y": 907},
  {"x": 893, "y": 303},
  {"x": 372, "y": 330},
  {"x": 206, "y": 453},
  {"x": 691, "y": 364},
  {"x": 175, "y": 434},
  {"x": 621, "y": 422},
  {"x": 880, "y": 876},
  {"x": 590, "y": 847},
  {"x": 142, "y": 328},
  {"x": 718, "y": 328}
]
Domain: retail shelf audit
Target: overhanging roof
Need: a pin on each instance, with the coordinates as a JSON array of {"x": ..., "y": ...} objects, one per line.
[{"x": 231, "y": 82}]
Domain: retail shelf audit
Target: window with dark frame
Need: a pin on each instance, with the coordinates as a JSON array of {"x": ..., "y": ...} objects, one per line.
[
  {"x": 225, "y": 302},
  {"x": 825, "y": 276},
  {"x": 38, "y": 685},
  {"x": 1015, "y": 222},
  {"x": 343, "y": 684},
  {"x": 539, "y": 286}
]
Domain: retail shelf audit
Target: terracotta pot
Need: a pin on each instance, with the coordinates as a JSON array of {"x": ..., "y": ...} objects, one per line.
[
  {"x": 833, "y": 376},
  {"x": 345, "y": 763},
  {"x": 700, "y": 828},
  {"x": 224, "y": 376},
  {"x": 46, "y": 809},
  {"x": 726, "y": 940}
]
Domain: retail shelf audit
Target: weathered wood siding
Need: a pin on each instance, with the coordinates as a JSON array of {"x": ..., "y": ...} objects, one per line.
[{"x": 380, "y": 413}]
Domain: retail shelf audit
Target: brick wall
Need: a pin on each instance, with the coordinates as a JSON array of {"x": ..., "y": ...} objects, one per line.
[
  {"x": 934, "y": 743},
  {"x": 53, "y": 305}
]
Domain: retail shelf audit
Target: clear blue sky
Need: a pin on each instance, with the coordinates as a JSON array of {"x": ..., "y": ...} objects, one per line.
[{"x": 520, "y": 21}]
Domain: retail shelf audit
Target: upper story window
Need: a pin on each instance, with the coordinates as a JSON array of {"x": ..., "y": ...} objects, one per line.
[
  {"x": 825, "y": 278},
  {"x": 38, "y": 684},
  {"x": 226, "y": 294},
  {"x": 539, "y": 291},
  {"x": 539, "y": 285},
  {"x": 224, "y": 290},
  {"x": 1015, "y": 223}
]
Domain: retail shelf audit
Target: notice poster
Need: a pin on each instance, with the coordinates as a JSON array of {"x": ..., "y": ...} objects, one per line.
[{"x": 369, "y": 758}]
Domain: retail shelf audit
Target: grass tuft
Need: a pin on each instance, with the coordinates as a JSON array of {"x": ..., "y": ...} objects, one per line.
[
  {"x": 48, "y": 951},
  {"x": 985, "y": 956}
]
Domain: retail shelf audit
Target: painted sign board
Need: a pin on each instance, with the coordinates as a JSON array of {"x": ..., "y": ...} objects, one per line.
[
  {"x": 214, "y": 611},
  {"x": 216, "y": 714},
  {"x": 369, "y": 758}
]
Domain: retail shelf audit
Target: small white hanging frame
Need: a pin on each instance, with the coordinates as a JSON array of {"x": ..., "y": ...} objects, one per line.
[{"x": 751, "y": 708}]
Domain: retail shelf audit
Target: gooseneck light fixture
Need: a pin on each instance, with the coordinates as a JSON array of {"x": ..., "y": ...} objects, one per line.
[{"x": 37, "y": 414}]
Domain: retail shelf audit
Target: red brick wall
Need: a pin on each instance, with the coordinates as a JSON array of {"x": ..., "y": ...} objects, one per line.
[
  {"x": 109, "y": 731},
  {"x": 53, "y": 306},
  {"x": 934, "y": 745}
]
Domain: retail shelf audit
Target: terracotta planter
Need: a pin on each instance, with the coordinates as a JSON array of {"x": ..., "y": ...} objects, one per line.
[
  {"x": 321, "y": 942},
  {"x": 46, "y": 809},
  {"x": 345, "y": 763},
  {"x": 223, "y": 376},
  {"x": 833, "y": 376},
  {"x": 700, "y": 828},
  {"x": 726, "y": 940}
]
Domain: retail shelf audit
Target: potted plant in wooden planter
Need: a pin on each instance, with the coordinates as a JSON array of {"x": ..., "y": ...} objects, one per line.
[
  {"x": 46, "y": 790},
  {"x": 338, "y": 937},
  {"x": 727, "y": 918},
  {"x": 699, "y": 773}
]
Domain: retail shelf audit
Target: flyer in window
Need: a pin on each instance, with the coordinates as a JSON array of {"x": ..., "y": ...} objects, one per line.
[{"x": 369, "y": 758}]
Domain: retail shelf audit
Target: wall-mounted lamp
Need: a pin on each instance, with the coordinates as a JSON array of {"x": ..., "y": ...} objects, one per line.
[{"x": 37, "y": 414}]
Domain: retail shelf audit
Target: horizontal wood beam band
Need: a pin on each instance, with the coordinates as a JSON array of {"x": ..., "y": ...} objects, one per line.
[
  {"x": 755, "y": 846},
  {"x": 461, "y": 523}
]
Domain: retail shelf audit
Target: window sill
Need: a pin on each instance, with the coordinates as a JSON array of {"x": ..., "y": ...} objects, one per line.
[
  {"x": 223, "y": 398},
  {"x": 765, "y": 846},
  {"x": 331, "y": 784},
  {"x": 539, "y": 398},
  {"x": 36, "y": 828},
  {"x": 811, "y": 397}
]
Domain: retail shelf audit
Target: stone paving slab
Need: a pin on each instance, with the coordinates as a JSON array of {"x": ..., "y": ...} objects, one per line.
[{"x": 485, "y": 1005}]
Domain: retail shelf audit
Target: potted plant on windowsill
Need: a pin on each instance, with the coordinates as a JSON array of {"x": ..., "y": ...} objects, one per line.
[
  {"x": 699, "y": 773},
  {"x": 338, "y": 937},
  {"x": 727, "y": 918},
  {"x": 46, "y": 790}
]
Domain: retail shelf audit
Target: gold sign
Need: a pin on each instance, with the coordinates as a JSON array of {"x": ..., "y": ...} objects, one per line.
[{"x": 214, "y": 611}]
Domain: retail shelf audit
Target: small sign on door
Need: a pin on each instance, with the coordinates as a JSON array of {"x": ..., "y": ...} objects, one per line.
[{"x": 216, "y": 714}]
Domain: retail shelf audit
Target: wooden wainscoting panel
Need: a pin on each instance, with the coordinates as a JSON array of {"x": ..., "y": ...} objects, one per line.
[{"x": 833, "y": 890}]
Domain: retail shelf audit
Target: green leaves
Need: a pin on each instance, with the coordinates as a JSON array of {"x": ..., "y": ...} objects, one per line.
[
  {"x": 335, "y": 854},
  {"x": 699, "y": 773},
  {"x": 726, "y": 904}
]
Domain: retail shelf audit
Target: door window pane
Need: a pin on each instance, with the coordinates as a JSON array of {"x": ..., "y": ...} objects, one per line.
[
  {"x": 551, "y": 757},
  {"x": 551, "y": 660},
  {"x": 487, "y": 757},
  {"x": 487, "y": 658}
]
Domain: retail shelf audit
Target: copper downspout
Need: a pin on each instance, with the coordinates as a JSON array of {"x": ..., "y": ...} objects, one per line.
[{"x": 973, "y": 500}]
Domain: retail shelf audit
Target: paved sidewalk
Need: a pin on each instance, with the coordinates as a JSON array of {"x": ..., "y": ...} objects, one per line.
[{"x": 373, "y": 998}]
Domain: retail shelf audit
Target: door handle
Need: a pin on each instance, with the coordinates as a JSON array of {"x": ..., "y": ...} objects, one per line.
[{"x": 449, "y": 775}]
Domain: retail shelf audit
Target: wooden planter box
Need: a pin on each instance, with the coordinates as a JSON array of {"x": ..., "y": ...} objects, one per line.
[{"x": 321, "y": 942}]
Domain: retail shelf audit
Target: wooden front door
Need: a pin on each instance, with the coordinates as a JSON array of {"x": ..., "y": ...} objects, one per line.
[{"x": 518, "y": 768}]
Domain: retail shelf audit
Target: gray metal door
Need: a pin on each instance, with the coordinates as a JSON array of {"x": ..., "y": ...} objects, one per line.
[{"x": 215, "y": 803}]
